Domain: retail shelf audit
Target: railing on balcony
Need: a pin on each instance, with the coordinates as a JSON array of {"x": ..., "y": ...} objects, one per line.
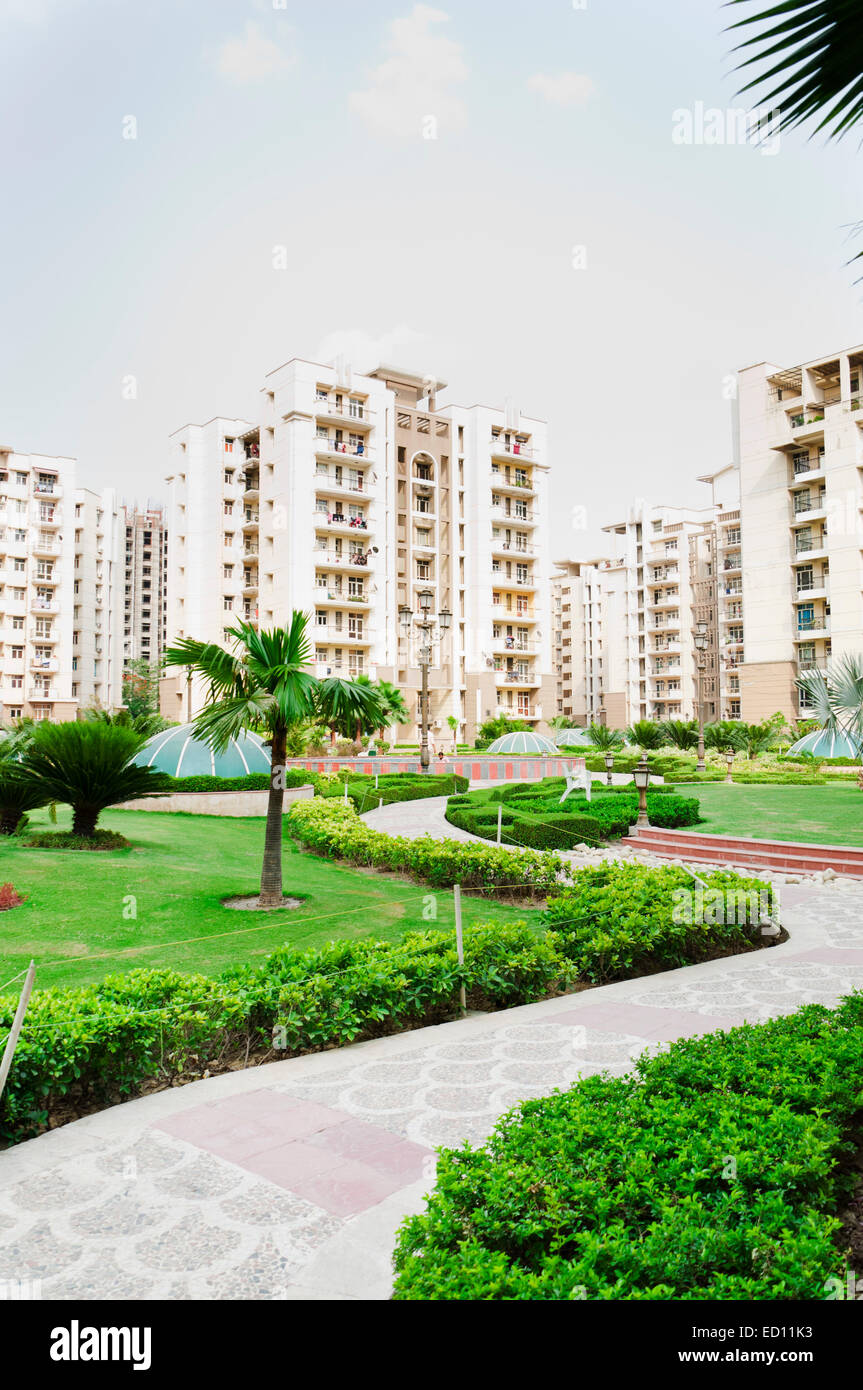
[
  {"x": 323, "y": 444},
  {"x": 500, "y": 446}
]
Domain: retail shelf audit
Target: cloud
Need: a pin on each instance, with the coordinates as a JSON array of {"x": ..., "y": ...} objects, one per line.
[
  {"x": 415, "y": 83},
  {"x": 365, "y": 352},
  {"x": 563, "y": 88},
  {"x": 252, "y": 57}
]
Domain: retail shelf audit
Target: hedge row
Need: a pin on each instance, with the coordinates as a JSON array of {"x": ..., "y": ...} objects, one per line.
[
  {"x": 99, "y": 1044},
  {"x": 393, "y": 787},
  {"x": 716, "y": 1172},
  {"x": 333, "y": 828},
  {"x": 534, "y": 818}
]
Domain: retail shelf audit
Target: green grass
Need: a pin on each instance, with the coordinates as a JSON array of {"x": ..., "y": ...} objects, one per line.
[
  {"x": 828, "y": 815},
  {"x": 178, "y": 870}
]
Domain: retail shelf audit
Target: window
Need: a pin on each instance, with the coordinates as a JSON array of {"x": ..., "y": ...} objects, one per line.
[{"x": 228, "y": 571}]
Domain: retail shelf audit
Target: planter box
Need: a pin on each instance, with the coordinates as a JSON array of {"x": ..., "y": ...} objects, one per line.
[{"x": 242, "y": 804}]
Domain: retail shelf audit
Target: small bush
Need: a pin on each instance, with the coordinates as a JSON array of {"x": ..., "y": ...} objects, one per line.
[{"x": 64, "y": 839}]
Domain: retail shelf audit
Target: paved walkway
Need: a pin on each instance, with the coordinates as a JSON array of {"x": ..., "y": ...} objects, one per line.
[{"x": 289, "y": 1181}]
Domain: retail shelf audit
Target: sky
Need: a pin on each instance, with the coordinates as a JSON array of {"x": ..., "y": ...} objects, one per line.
[{"x": 530, "y": 202}]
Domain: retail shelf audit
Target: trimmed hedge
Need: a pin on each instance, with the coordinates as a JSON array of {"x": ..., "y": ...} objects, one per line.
[
  {"x": 534, "y": 816},
  {"x": 619, "y": 920},
  {"x": 96, "y": 1045},
  {"x": 333, "y": 828},
  {"x": 392, "y": 787},
  {"x": 716, "y": 1172}
]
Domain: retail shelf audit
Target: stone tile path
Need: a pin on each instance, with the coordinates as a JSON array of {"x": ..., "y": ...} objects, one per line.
[{"x": 289, "y": 1181}]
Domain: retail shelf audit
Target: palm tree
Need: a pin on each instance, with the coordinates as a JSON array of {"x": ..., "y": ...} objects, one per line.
[
  {"x": 264, "y": 684},
  {"x": 87, "y": 764},
  {"x": 562, "y": 721},
  {"x": 453, "y": 721},
  {"x": 837, "y": 696},
  {"x": 682, "y": 733},
  {"x": 343, "y": 705},
  {"x": 756, "y": 738},
  {"x": 813, "y": 51},
  {"x": 645, "y": 734},
  {"x": 394, "y": 710},
  {"x": 144, "y": 723},
  {"x": 604, "y": 739}
]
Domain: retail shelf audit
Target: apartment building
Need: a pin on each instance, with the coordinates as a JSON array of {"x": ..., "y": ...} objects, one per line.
[
  {"x": 59, "y": 548},
  {"x": 145, "y": 568},
  {"x": 801, "y": 466},
  {"x": 589, "y": 605},
  {"x": 350, "y": 497},
  {"x": 676, "y": 560}
]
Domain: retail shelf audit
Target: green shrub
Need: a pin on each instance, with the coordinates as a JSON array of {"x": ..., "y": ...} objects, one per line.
[
  {"x": 99, "y": 1044},
  {"x": 619, "y": 920},
  {"x": 65, "y": 839},
  {"x": 334, "y": 829},
  {"x": 620, "y": 1189}
]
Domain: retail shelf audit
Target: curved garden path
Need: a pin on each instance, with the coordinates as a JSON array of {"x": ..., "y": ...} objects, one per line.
[{"x": 289, "y": 1181}]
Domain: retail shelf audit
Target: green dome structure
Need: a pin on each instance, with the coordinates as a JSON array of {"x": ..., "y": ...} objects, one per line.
[
  {"x": 572, "y": 738},
  {"x": 526, "y": 742},
  {"x": 827, "y": 743},
  {"x": 179, "y": 753}
]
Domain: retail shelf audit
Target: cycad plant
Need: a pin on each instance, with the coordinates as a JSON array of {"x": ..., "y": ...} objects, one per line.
[
  {"x": 263, "y": 684},
  {"x": 87, "y": 764},
  {"x": 837, "y": 697},
  {"x": 604, "y": 739},
  {"x": 18, "y": 792},
  {"x": 682, "y": 733},
  {"x": 644, "y": 733}
]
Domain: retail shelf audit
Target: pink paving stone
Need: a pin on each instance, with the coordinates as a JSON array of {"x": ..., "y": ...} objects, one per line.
[
  {"x": 356, "y": 1139},
  {"x": 289, "y": 1164},
  {"x": 282, "y": 1117},
  {"x": 640, "y": 1020},
  {"x": 349, "y": 1189}
]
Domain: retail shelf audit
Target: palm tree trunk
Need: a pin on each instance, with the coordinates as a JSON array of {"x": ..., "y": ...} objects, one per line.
[
  {"x": 271, "y": 870},
  {"x": 84, "y": 820}
]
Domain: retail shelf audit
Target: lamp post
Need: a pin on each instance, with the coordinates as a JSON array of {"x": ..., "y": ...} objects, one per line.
[
  {"x": 609, "y": 767},
  {"x": 729, "y": 763},
  {"x": 641, "y": 777},
  {"x": 425, "y": 626},
  {"x": 701, "y": 658}
]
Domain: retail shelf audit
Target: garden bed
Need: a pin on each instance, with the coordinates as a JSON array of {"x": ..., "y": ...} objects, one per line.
[{"x": 723, "y": 1169}]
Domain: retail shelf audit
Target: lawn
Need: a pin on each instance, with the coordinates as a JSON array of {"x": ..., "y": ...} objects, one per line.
[
  {"x": 830, "y": 815},
  {"x": 179, "y": 869}
]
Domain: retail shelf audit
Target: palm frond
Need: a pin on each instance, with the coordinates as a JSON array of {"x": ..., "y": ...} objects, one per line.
[{"x": 818, "y": 48}]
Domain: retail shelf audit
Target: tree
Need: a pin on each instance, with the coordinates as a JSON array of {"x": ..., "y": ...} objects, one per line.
[
  {"x": 263, "y": 684},
  {"x": 18, "y": 792},
  {"x": 87, "y": 764},
  {"x": 682, "y": 733},
  {"x": 645, "y": 734},
  {"x": 756, "y": 738},
  {"x": 141, "y": 688},
  {"x": 562, "y": 721},
  {"x": 814, "y": 60},
  {"x": 453, "y": 721},
  {"x": 341, "y": 705},
  {"x": 724, "y": 736},
  {"x": 394, "y": 710},
  {"x": 604, "y": 739},
  {"x": 837, "y": 696},
  {"x": 143, "y": 723},
  {"x": 499, "y": 727}
]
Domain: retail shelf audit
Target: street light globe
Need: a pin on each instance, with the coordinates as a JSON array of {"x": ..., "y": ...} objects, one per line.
[
  {"x": 426, "y": 599},
  {"x": 445, "y": 619}
]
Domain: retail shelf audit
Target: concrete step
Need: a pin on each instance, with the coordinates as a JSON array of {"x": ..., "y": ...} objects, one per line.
[{"x": 783, "y": 855}]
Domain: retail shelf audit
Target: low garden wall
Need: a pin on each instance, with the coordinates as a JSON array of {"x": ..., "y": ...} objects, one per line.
[
  {"x": 241, "y": 804},
  {"x": 476, "y": 766}
]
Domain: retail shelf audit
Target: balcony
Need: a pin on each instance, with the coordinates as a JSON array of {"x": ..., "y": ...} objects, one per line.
[
  {"x": 251, "y": 492},
  {"x": 41, "y": 663},
  {"x": 810, "y": 549},
  {"x": 45, "y": 545},
  {"x": 342, "y": 637},
  {"x": 43, "y": 489},
  {"x": 353, "y": 560},
  {"x": 520, "y": 680},
  {"x": 531, "y": 712},
  {"x": 811, "y": 628},
  {"x": 41, "y": 694},
  {"x": 44, "y": 605},
  {"x": 50, "y": 516},
  {"x": 360, "y": 454},
  {"x": 500, "y": 449},
  {"x": 357, "y": 414},
  {"x": 525, "y": 517},
  {"x": 732, "y": 565},
  {"x": 513, "y": 644},
  {"x": 250, "y": 552},
  {"x": 335, "y": 484},
  {"x": 338, "y": 523},
  {"x": 503, "y": 484},
  {"x": 331, "y": 598},
  {"x": 807, "y": 592},
  {"x": 665, "y": 601}
]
